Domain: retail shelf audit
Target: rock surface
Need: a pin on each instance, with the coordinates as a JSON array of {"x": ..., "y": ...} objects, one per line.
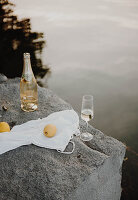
[
  {"x": 92, "y": 172},
  {"x": 3, "y": 78}
]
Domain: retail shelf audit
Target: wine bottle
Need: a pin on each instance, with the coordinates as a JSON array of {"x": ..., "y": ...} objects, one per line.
[{"x": 28, "y": 87}]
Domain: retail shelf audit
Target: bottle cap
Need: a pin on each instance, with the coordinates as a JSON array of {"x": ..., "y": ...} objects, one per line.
[{"x": 26, "y": 55}]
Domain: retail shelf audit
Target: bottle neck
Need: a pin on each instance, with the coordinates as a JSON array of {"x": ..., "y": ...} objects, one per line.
[{"x": 27, "y": 69}]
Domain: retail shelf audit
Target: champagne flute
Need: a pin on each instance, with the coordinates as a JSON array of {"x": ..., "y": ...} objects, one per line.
[{"x": 87, "y": 114}]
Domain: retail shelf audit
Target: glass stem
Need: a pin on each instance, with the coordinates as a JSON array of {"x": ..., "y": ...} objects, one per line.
[{"x": 86, "y": 126}]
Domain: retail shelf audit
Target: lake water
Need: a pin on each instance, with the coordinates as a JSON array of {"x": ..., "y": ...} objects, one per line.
[{"x": 92, "y": 48}]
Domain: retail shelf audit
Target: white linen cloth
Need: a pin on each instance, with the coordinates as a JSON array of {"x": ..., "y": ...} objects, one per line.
[{"x": 31, "y": 132}]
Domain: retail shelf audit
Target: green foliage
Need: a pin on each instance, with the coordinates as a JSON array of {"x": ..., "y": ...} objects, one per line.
[{"x": 15, "y": 39}]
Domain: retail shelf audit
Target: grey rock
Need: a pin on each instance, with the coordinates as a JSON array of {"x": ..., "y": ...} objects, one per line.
[
  {"x": 3, "y": 78},
  {"x": 92, "y": 172}
]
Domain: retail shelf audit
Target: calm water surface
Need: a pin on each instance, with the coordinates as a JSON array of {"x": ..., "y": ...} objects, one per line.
[{"x": 92, "y": 48}]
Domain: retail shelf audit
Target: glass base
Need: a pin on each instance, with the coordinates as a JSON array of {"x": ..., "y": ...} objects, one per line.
[{"x": 86, "y": 136}]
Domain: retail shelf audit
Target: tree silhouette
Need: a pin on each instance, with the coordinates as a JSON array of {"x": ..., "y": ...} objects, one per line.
[{"x": 15, "y": 39}]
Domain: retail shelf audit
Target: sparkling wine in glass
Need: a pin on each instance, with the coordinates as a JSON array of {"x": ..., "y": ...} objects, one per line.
[{"x": 87, "y": 114}]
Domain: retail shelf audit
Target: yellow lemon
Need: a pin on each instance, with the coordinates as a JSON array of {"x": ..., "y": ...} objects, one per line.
[
  {"x": 50, "y": 130},
  {"x": 4, "y": 127}
]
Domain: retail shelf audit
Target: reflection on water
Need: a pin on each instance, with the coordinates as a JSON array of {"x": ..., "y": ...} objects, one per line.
[
  {"x": 15, "y": 39},
  {"x": 92, "y": 49}
]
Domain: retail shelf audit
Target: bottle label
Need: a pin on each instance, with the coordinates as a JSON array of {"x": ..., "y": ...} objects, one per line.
[{"x": 27, "y": 77}]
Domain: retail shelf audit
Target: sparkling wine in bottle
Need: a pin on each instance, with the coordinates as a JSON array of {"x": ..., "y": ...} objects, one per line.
[{"x": 28, "y": 87}]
